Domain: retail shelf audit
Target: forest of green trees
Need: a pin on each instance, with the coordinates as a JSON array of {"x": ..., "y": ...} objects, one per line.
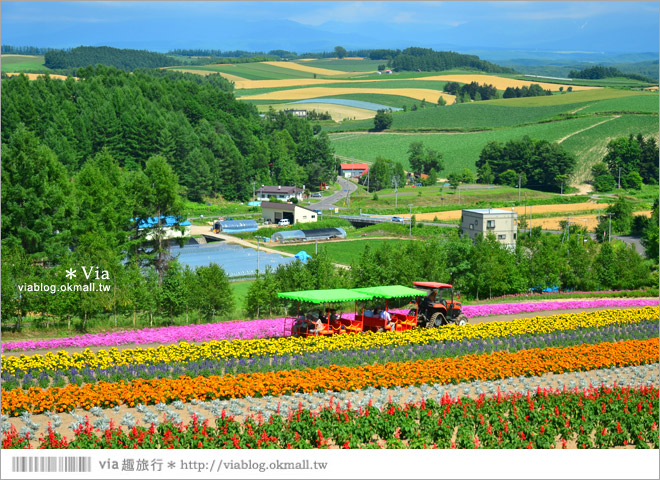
[
  {"x": 124, "y": 59},
  {"x": 215, "y": 144},
  {"x": 599, "y": 71},
  {"x": 429, "y": 60},
  {"x": 540, "y": 164}
]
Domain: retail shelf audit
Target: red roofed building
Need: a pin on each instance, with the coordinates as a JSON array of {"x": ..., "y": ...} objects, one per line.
[{"x": 349, "y": 170}]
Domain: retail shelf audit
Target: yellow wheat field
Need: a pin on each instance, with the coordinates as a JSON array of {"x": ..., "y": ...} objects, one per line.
[
  {"x": 536, "y": 209},
  {"x": 337, "y": 112},
  {"x": 315, "y": 92},
  {"x": 34, "y": 76},
  {"x": 501, "y": 83},
  {"x": 283, "y": 83},
  {"x": 304, "y": 68},
  {"x": 590, "y": 222}
]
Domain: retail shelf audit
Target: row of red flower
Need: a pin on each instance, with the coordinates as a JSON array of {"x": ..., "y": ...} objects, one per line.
[{"x": 594, "y": 418}]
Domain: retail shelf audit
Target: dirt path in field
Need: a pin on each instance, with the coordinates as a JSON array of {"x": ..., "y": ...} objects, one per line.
[
  {"x": 473, "y": 320},
  {"x": 585, "y": 129}
]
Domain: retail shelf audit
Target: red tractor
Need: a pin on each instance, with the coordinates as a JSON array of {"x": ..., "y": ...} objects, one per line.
[{"x": 439, "y": 307}]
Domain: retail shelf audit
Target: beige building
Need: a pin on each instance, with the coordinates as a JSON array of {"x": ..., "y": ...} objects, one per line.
[
  {"x": 501, "y": 223},
  {"x": 274, "y": 212}
]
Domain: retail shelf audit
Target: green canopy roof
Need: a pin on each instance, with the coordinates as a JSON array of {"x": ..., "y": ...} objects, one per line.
[
  {"x": 391, "y": 291},
  {"x": 326, "y": 296}
]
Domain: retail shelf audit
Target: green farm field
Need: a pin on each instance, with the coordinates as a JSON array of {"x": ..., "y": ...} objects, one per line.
[
  {"x": 513, "y": 111},
  {"x": 253, "y": 71},
  {"x": 460, "y": 150},
  {"x": 343, "y": 65},
  {"x": 23, "y": 63},
  {"x": 590, "y": 146},
  {"x": 339, "y": 251}
]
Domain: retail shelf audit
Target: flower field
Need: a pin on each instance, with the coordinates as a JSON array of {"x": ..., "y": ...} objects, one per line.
[
  {"x": 617, "y": 346},
  {"x": 253, "y": 329}
]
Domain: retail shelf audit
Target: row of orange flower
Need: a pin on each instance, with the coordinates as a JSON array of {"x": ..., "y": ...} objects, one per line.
[{"x": 445, "y": 370}]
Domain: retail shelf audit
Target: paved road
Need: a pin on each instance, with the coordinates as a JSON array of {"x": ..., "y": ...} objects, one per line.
[{"x": 337, "y": 197}]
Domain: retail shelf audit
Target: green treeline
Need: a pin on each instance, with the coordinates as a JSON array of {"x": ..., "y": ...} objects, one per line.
[
  {"x": 214, "y": 144},
  {"x": 428, "y": 60},
  {"x": 470, "y": 91},
  {"x": 534, "y": 90},
  {"x": 124, "y": 59},
  {"x": 27, "y": 50},
  {"x": 598, "y": 72},
  {"x": 478, "y": 269},
  {"x": 537, "y": 164}
]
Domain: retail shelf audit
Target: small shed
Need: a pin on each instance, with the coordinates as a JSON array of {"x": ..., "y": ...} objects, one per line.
[{"x": 236, "y": 226}]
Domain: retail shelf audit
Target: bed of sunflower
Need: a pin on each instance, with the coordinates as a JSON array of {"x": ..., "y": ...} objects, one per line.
[{"x": 487, "y": 351}]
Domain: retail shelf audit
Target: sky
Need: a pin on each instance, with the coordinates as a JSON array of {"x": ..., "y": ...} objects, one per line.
[{"x": 592, "y": 26}]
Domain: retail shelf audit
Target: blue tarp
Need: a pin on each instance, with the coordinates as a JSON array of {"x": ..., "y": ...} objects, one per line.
[
  {"x": 168, "y": 221},
  {"x": 254, "y": 204},
  {"x": 303, "y": 256}
]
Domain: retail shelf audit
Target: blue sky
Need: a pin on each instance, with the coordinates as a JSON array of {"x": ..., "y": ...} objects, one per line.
[{"x": 316, "y": 26}]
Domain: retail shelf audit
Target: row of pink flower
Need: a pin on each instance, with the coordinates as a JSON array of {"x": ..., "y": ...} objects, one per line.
[
  {"x": 250, "y": 329},
  {"x": 545, "y": 294}
]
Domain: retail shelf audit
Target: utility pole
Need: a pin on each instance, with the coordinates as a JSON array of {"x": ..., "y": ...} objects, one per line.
[
  {"x": 519, "y": 180},
  {"x": 258, "y": 238},
  {"x": 395, "y": 182},
  {"x": 253, "y": 195},
  {"x": 619, "y": 176},
  {"x": 530, "y": 221},
  {"x": 562, "y": 188},
  {"x": 410, "y": 220},
  {"x": 609, "y": 235}
]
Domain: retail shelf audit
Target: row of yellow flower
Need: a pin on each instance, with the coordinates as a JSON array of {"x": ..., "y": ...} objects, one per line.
[
  {"x": 185, "y": 352},
  {"x": 445, "y": 370}
]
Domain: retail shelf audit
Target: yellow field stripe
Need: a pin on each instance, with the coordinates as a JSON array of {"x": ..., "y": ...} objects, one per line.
[
  {"x": 315, "y": 92},
  {"x": 34, "y": 76},
  {"x": 501, "y": 83}
]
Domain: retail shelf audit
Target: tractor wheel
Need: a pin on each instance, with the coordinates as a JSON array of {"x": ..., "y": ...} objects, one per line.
[
  {"x": 436, "y": 320},
  {"x": 461, "y": 320}
]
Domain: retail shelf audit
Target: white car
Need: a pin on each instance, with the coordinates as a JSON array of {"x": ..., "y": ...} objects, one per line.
[
  {"x": 284, "y": 222},
  {"x": 317, "y": 195}
]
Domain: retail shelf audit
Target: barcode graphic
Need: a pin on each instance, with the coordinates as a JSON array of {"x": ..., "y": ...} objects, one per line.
[{"x": 51, "y": 464}]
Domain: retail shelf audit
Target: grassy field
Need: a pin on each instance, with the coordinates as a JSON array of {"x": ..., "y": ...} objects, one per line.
[
  {"x": 341, "y": 252},
  {"x": 23, "y": 63},
  {"x": 254, "y": 71},
  {"x": 460, "y": 150},
  {"x": 343, "y": 65},
  {"x": 590, "y": 146}
]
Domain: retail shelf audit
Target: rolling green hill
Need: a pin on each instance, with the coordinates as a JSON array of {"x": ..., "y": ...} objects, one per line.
[{"x": 23, "y": 63}]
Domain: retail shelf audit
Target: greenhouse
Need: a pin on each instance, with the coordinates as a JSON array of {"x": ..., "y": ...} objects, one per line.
[
  {"x": 235, "y": 226},
  {"x": 288, "y": 236},
  {"x": 308, "y": 235}
]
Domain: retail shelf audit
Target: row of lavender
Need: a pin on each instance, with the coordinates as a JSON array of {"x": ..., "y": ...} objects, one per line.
[{"x": 251, "y": 329}]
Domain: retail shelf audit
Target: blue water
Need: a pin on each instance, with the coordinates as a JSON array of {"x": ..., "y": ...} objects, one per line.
[
  {"x": 350, "y": 103},
  {"x": 234, "y": 259}
]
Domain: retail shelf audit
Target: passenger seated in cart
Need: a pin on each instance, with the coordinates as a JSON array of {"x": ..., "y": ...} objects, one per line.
[
  {"x": 309, "y": 324},
  {"x": 389, "y": 324},
  {"x": 335, "y": 319},
  {"x": 368, "y": 313}
]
